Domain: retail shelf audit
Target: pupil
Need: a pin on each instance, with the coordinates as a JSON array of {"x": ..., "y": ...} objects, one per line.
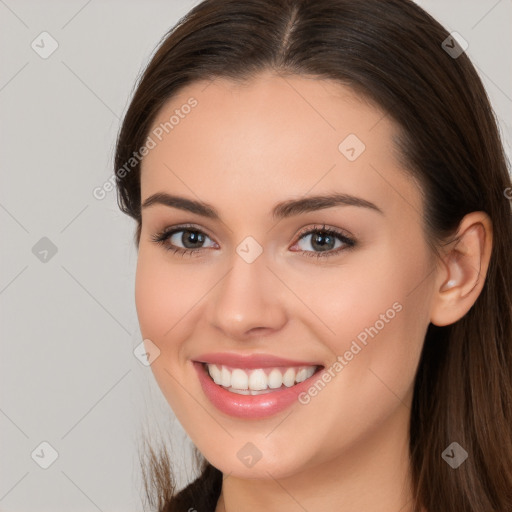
[
  {"x": 193, "y": 237},
  {"x": 327, "y": 241}
]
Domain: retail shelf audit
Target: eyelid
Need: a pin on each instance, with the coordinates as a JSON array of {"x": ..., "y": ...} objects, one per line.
[
  {"x": 324, "y": 227},
  {"x": 170, "y": 230}
]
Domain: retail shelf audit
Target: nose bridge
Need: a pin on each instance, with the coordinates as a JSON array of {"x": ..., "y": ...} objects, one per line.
[{"x": 247, "y": 297}]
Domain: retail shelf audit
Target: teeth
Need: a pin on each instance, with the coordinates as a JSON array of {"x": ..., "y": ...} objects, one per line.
[
  {"x": 275, "y": 379},
  {"x": 258, "y": 381},
  {"x": 239, "y": 379},
  {"x": 289, "y": 377},
  {"x": 215, "y": 374},
  {"x": 241, "y": 391},
  {"x": 303, "y": 374},
  {"x": 225, "y": 377}
]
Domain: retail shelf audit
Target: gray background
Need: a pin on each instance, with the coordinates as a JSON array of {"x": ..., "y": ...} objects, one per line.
[{"x": 68, "y": 323}]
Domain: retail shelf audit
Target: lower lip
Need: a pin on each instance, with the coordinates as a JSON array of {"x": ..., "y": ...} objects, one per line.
[{"x": 250, "y": 406}]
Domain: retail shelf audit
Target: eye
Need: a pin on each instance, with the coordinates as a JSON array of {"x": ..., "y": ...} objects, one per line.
[
  {"x": 324, "y": 241},
  {"x": 190, "y": 238}
]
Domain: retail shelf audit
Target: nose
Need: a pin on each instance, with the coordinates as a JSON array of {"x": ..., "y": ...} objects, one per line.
[{"x": 249, "y": 301}]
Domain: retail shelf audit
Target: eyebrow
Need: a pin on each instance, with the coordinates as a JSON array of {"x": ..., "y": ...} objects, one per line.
[{"x": 282, "y": 210}]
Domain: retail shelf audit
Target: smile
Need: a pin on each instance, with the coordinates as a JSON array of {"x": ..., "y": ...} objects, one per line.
[{"x": 254, "y": 393}]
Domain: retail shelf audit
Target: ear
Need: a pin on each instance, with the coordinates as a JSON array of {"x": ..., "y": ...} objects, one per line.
[{"x": 462, "y": 269}]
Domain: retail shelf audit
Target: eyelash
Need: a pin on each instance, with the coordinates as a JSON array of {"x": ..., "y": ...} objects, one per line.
[{"x": 163, "y": 237}]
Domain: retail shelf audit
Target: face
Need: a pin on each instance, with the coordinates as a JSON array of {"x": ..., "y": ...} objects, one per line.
[{"x": 343, "y": 286}]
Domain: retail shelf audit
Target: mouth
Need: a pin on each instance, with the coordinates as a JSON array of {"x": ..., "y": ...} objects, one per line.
[{"x": 254, "y": 393}]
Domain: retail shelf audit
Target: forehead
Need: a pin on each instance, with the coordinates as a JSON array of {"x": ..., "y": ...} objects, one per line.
[{"x": 270, "y": 137}]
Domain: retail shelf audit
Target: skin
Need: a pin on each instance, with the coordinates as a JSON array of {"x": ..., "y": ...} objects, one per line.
[{"x": 243, "y": 149}]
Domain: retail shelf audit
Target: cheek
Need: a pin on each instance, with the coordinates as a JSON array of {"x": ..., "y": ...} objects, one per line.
[
  {"x": 375, "y": 314},
  {"x": 373, "y": 289},
  {"x": 164, "y": 295}
]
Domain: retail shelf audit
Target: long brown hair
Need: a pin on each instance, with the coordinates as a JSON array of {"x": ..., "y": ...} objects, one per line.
[{"x": 391, "y": 52}]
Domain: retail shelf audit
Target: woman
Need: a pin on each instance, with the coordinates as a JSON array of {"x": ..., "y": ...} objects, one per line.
[{"x": 323, "y": 280}]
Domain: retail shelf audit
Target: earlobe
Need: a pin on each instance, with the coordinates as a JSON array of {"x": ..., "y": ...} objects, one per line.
[{"x": 463, "y": 269}]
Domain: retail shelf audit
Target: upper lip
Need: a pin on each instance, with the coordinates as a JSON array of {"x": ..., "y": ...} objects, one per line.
[{"x": 250, "y": 361}]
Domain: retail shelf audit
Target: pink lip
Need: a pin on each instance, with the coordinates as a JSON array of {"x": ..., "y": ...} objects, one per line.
[
  {"x": 251, "y": 361},
  {"x": 250, "y": 406}
]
